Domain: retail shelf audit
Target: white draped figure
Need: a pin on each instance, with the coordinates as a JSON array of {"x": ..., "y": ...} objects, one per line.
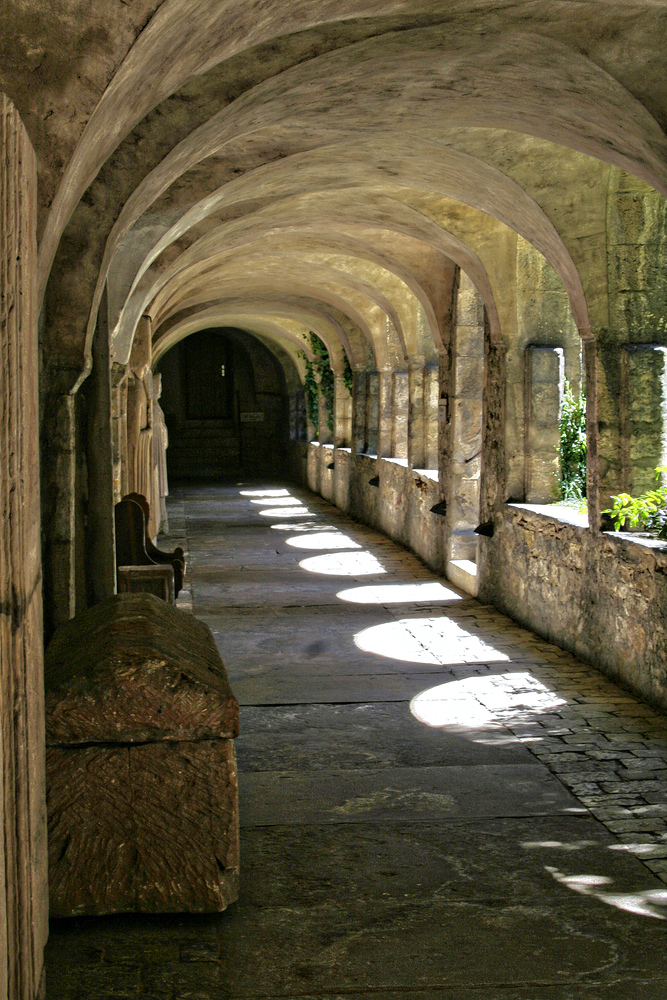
[{"x": 160, "y": 444}]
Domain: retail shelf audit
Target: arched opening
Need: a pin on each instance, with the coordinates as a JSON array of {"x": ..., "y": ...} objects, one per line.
[{"x": 226, "y": 406}]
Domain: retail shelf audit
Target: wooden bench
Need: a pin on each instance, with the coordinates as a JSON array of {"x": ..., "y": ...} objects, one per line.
[
  {"x": 135, "y": 549},
  {"x": 142, "y": 792}
]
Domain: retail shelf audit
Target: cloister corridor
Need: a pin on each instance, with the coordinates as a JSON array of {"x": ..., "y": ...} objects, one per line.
[{"x": 435, "y": 803}]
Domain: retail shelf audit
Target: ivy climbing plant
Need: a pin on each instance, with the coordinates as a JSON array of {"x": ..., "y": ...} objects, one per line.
[
  {"x": 320, "y": 378},
  {"x": 572, "y": 447}
]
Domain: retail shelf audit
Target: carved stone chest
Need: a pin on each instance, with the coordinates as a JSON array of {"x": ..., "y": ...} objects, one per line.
[{"x": 142, "y": 792}]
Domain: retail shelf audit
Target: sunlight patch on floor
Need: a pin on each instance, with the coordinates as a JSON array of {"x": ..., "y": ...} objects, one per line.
[
  {"x": 308, "y": 526},
  {"x": 265, "y": 493},
  {"x": 644, "y": 903},
  {"x": 399, "y": 593},
  {"x": 282, "y": 501},
  {"x": 323, "y": 540},
  {"x": 344, "y": 564},
  {"x": 286, "y": 512},
  {"x": 427, "y": 640},
  {"x": 491, "y": 701}
]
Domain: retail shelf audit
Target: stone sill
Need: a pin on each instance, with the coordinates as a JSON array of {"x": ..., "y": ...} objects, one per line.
[
  {"x": 635, "y": 538},
  {"x": 566, "y": 515},
  {"x": 431, "y": 474},
  {"x": 463, "y": 574}
]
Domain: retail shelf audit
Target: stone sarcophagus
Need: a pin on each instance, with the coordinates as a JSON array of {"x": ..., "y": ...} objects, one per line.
[{"x": 142, "y": 792}]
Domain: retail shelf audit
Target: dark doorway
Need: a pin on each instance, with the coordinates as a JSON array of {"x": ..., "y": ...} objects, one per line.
[
  {"x": 209, "y": 377},
  {"x": 226, "y": 406}
]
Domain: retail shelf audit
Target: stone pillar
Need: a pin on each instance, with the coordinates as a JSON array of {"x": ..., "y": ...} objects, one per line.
[
  {"x": 643, "y": 415},
  {"x": 493, "y": 487},
  {"x": 416, "y": 417},
  {"x": 100, "y": 541},
  {"x": 359, "y": 412},
  {"x": 343, "y": 416},
  {"x": 59, "y": 486},
  {"x": 385, "y": 423},
  {"x": 372, "y": 414},
  {"x": 324, "y": 431},
  {"x": 23, "y": 885},
  {"x": 119, "y": 430},
  {"x": 401, "y": 411},
  {"x": 466, "y": 415},
  {"x": 544, "y": 385},
  {"x": 431, "y": 394}
]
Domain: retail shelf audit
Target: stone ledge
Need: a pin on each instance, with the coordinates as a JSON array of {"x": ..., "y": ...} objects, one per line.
[{"x": 565, "y": 515}]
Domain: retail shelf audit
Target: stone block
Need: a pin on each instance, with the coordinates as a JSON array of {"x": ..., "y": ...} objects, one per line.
[
  {"x": 469, "y": 376},
  {"x": 636, "y": 217},
  {"x": 469, "y": 307},
  {"x": 468, "y": 421},
  {"x": 142, "y": 791},
  {"x": 469, "y": 341}
]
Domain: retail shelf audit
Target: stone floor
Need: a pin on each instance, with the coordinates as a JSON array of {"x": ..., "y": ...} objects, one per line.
[{"x": 436, "y": 804}]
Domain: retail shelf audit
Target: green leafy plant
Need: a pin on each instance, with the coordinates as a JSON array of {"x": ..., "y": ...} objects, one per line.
[
  {"x": 320, "y": 378},
  {"x": 648, "y": 511},
  {"x": 572, "y": 448}
]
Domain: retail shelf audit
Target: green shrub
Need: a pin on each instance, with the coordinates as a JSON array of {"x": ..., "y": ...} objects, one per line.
[
  {"x": 572, "y": 447},
  {"x": 647, "y": 511}
]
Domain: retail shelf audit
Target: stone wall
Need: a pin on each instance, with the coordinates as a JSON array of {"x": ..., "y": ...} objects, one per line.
[
  {"x": 601, "y": 595},
  {"x": 398, "y": 504},
  {"x": 23, "y": 875}
]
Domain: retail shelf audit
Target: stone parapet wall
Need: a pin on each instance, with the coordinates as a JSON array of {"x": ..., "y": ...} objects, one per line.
[
  {"x": 398, "y": 505},
  {"x": 601, "y": 595}
]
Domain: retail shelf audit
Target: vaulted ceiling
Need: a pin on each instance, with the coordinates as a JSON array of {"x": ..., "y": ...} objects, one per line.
[{"x": 294, "y": 165}]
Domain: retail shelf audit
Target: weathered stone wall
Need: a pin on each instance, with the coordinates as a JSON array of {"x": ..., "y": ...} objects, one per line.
[
  {"x": 603, "y": 596},
  {"x": 23, "y": 875},
  {"x": 636, "y": 230},
  {"x": 399, "y": 504}
]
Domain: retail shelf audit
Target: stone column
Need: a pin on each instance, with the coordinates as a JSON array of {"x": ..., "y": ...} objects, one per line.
[
  {"x": 431, "y": 397},
  {"x": 324, "y": 432},
  {"x": 643, "y": 415},
  {"x": 416, "y": 428},
  {"x": 543, "y": 395},
  {"x": 23, "y": 885},
  {"x": 385, "y": 413},
  {"x": 400, "y": 414},
  {"x": 100, "y": 541},
  {"x": 372, "y": 413},
  {"x": 119, "y": 430},
  {"x": 59, "y": 488},
  {"x": 359, "y": 412},
  {"x": 343, "y": 417}
]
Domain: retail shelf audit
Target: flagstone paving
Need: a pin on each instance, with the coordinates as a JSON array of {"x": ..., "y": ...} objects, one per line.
[{"x": 435, "y": 803}]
